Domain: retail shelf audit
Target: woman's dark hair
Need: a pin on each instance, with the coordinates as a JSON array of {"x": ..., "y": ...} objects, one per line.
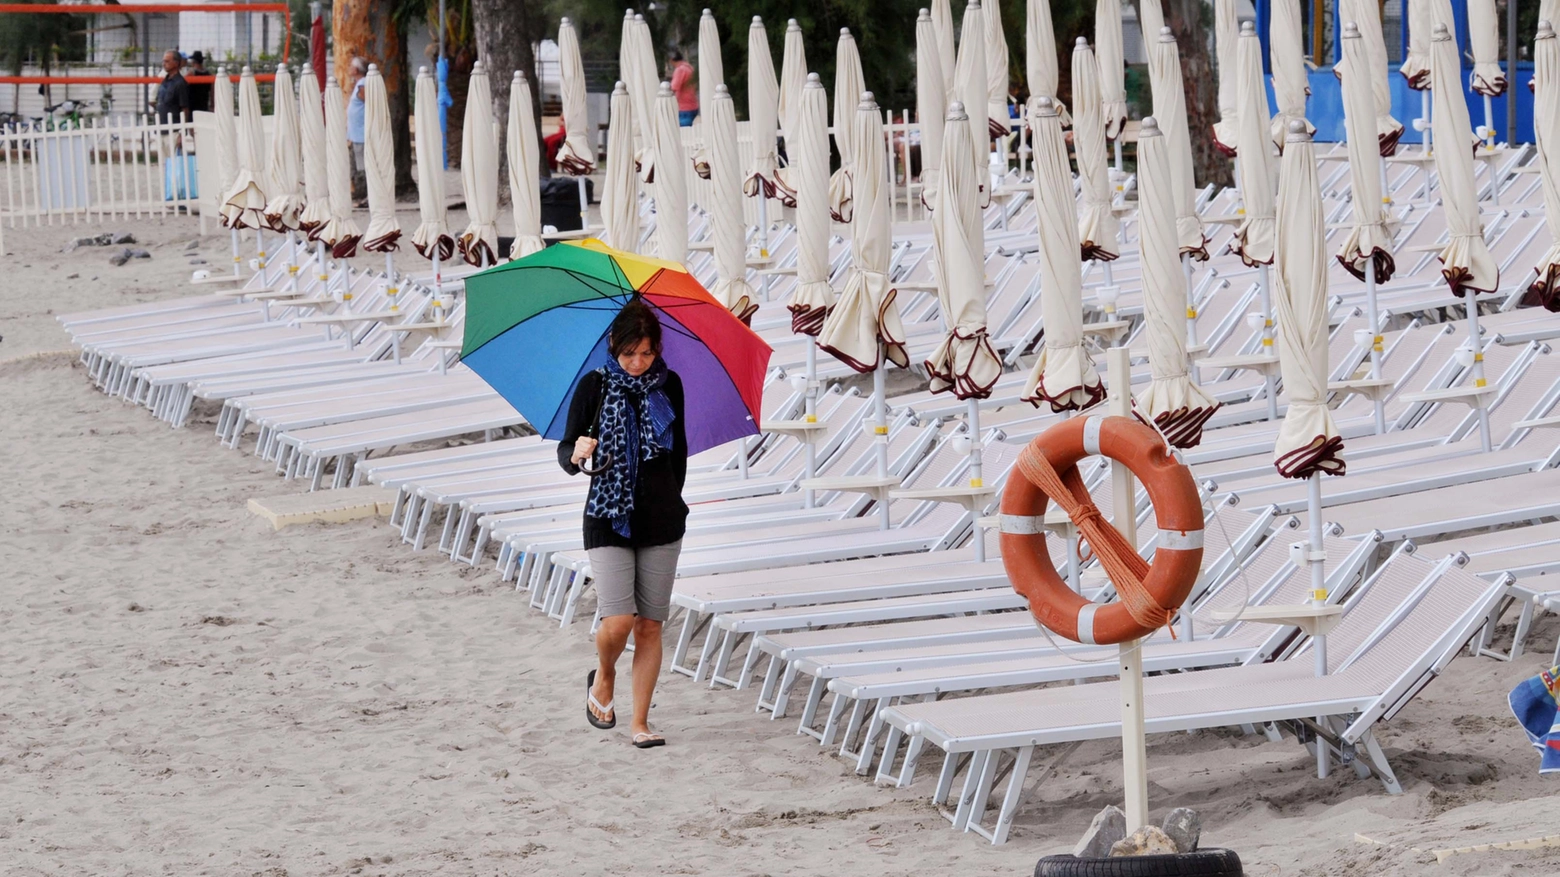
[
  {"x": 677, "y": 55},
  {"x": 636, "y": 322}
]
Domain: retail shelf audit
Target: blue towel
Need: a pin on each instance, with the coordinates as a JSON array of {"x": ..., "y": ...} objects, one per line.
[{"x": 1533, "y": 703}]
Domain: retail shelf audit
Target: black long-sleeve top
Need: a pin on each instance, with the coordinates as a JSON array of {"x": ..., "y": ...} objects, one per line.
[{"x": 660, "y": 516}]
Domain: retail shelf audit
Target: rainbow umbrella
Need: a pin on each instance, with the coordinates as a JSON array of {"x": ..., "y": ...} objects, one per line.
[{"x": 534, "y": 326}]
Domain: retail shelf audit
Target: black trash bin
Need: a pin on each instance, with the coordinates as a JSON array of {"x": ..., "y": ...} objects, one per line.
[{"x": 561, "y": 202}]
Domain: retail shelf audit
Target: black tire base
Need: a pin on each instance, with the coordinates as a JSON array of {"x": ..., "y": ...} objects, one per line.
[{"x": 1202, "y": 863}]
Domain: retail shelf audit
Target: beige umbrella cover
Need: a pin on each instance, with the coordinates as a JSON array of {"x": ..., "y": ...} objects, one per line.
[
  {"x": 848, "y": 85},
  {"x": 281, "y": 212},
  {"x": 636, "y": 59},
  {"x": 576, "y": 157},
  {"x": 1545, "y": 288},
  {"x": 316, "y": 182},
  {"x": 1151, "y": 20},
  {"x": 1369, "y": 238},
  {"x": 524, "y": 154},
  {"x": 432, "y": 237},
  {"x": 1110, "y": 56},
  {"x": 1226, "y": 35},
  {"x": 970, "y": 88},
  {"x": 384, "y": 231},
  {"x": 1466, "y": 262},
  {"x": 814, "y": 296},
  {"x": 340, "y": 233},
  {"x": 942, "y": 27},
  {"x": 965, "y": 362},
  {"x": 712, "y": 72},
  {"x": 931, "y": 95},
  {"x": 1416, "y": 64},
  {"x": 1286, "y": 56},
  {"x": 1040, "y": 56},
  {"x": 479, "y": 172},
  {"x": 671, "y": 182},
  {"x": 1484, "y": 38},
  {"x": 1063, "y": 374},
  {"x": 793, "y": 77},
  {"x": 620, "y": 190},
  {"x": 996, "y": 74},
  {"x": 1254, "y": 238},
  {"x": 243, "y": 205},
  {"x": 730, "y": 232},
  {"x": 1098, "y": 229},
  {"x": 1308, "y": 440},
  {"x": 227, "y": 139},
  {"x": 1174, "y": 404},
  {"x": 1367, "y": 15},
  {"x": 1170, "y": 110},
  {"x": 763, "y": 100},
  {"x": 867, "y": 312}
]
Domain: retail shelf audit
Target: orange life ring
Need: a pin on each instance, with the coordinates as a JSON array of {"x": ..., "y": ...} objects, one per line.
[{"x": 1148, "y": 594}]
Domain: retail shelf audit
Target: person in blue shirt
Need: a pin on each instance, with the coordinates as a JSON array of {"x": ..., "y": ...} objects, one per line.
[{"x": 356, "y": 70}]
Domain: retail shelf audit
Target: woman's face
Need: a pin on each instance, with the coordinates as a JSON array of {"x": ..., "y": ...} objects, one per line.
[{"x": 636, "y": 359}]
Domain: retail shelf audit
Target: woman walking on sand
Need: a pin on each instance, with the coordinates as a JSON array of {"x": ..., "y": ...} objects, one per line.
[{"x": 626, "y": 429}]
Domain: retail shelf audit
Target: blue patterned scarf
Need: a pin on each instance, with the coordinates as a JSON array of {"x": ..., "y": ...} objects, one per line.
[{"x": 635, "y": 425}]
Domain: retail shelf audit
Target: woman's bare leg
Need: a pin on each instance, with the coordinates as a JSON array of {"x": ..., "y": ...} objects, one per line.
[
  {"x": 647, "y": 668},
  {"x": 611, "y": 639}
]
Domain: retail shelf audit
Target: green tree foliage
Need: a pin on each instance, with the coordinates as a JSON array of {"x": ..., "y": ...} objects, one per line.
[{"x": 44, "y": 39}]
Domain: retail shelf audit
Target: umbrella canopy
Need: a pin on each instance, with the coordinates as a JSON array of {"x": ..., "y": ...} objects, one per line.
[
  {"x": 1369, "y": 238},
  {"x": 1286, "y": 55},
  {"x": 1111, "y": 57},
  {"x": 865, "y": 321},
  {"x": 1174, "y": 404},
  {"x": 524, "y": 164},
  {"x": 1226, "y": 35},
  {"x": 1040, "y": 56},
  {"x": 1466, "y": 262},
  {"x": 1545, "y": 287},
  {"x": 671, "y": 181},
  {"x": 711, "y": 73},
  {"x": 1063, "y": 374},
  {"x": 1416, "y": 64},
  {"x": 479, "y": 172},
  {"x": 1164, "y": 70},
  {"x": 996, "y": 74},
  {"x": 1308, "y": 440},
  {"x": 965, "y": 362},
  {"x": 970, "y": 89},
  {"x": 1098, "y": 229},
  {"x": 384, "y": 231},
  {"x": 1367, "y": 15},
  {"x": 576, "y": 157},
  {"x": 731, "y": 286},
  {"x": 636, "y": 59},
  {"x": 620, "y": 190},
  {"x": 848, "y": 85},
  {"x": 281, "y": 212},
  {"x": 1151, "y": 19},
  {"x": 534, "y": 325},
  {"x": 931, "y": 96},
  {"x": 340, "y": 233},
  {"x": 311, "y": 126},
  {"x": 432, "y": 238},
  {"x": 243, "y": 205},
  {"x": 942, "y": 30},
  {"x": 814, "y": 296},
  {"x": 1484, "y": 38},
  {"x": 227, "y": 138},
  {"x": 793, "y": 78},
  {"x": 1254, "y": 238},
  {"x": 763, "y": 99}
]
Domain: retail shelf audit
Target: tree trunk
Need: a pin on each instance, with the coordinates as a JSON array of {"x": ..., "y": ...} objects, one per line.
[
  {"x": 1191, "y": 22},
  {"x": 366, "y": 28},
  {"x": 507, "y": 31}
]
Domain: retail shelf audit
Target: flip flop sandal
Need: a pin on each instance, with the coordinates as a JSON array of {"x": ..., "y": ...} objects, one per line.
[
  {"x": 648, "y": 741},
  {"x": 590, "y": 701}
]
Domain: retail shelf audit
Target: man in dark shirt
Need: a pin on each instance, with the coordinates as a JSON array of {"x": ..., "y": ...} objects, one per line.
[
  {"x": 173, "y": 95},
  {"x": 200, "y": 92}
]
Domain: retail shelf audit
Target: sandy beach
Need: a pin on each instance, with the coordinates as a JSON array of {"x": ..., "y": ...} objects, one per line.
[{"x": 185, "y": 691}]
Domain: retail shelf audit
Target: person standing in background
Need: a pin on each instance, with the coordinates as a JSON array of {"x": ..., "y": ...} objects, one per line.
[
  {"x": 684, "y": 86},
  {"x": 357, "y": 69},
  {"x": 200, "y": 92},
  {"x": 173, "y": 93}
]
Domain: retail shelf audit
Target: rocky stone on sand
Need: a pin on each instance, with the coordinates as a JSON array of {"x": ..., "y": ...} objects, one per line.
[
  {"x": 192, "y": 245},
  {"x": 97, "y": 240},
  {"x": 1184, "y": 827},
  {"x": 126, "y": 255},
  {"x": 1109, "y": 827},
  {"x": 1146, "y": 841},
  {"x": 124, "y": 237}
]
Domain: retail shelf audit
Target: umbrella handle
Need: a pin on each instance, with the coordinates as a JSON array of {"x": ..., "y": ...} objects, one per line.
[
  {"x": 592, "y": 432},
  {"x": 597, "y": 470}
]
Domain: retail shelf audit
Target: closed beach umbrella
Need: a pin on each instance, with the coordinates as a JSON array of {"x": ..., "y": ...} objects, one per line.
[
  {"x": 1466, "y": 262},
  {"x": 1098, "y": 229},
  {"x": 1367, "y": 15},
  {"x": 479, "y": 172},
  {"x": 996, "y": 74},
  {"x": 379, "y": 159},
  {"x": 281, "y": 212},
  {"x": 1484, "y": 38},
  {"x": 763, "y": 99},
  {"x": 1286, "y": 55},
  {"x": 636, "y": 59},
  {"x": 1040, "y": 56},
  {"x": 524, "y": 156},
  {"x": 1416, "y": 64},
  {"x": 1545, "y": 287},
  {"x": 311, "y": 127},
  {"x": 576, "y": 157},
  {"x": 1174, "y": 404},
  {"x": 620, "y": 190},
  {"x": 711, "y": 73},
  {"x": 227, "y": 138},
  {"x": 793, "y": 78},
  {"x": 1170, "y": 111},
  {"x": 1110, "y": 55},
  {"x": 244, "y": 203},
  {"x": 1308, "y": 440},
  {"x": 931, "y": 96},
  {"x": 942, "y": 29},
  {"x": 970, "y": 89},
  {"x": 731, "y": 286},
  {"x": 1151, "y": 20},
  {"x": 1063, "y": 374},
  {"x": 814, "y": 296},
  {"x": 340, "y": 233},
  {"x": 848, "y": 85},
  {"x": 671, "y": 181},
  {"x": 432, "y": 238},
  {"x": 1369, "y": 239},
  {"x": 965, "y": 361},
  {"x": 1254, "y": 238},
  {"x": 1226, "y": 36}
]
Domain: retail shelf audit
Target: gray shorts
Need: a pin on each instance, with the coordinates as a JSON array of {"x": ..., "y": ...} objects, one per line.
[{"x": 635, "y": 581}]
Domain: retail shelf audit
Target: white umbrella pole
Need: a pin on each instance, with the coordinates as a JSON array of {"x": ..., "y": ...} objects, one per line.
[
  {"x": 1117, "y": 146},
  {"x": 1266, "y": 285},
  {"x": 1191, "y": 321},
  {"x": 1375, "y": 340},
  {"x": 260, "y": 247},
  {"x": 1424, "y": 117},
  {"x": 391, "y": 290},
  {"x": 1478, "y": 370},
  {"x": 323, "y": 276},
  {"x": 1318, "y": 595},
  {"x": 438, "y": 300},
  {"x": 584, "y": 205},
  {"x": 976, "y": 480},
  {"x": 880, "y": 416},
  {"x": 1489, "y": 122},
  {"x": 811, "y": 416},
  {"x": 237, "y": 259},
  {"x": 292, "y": 262},
  {"x": 1134, "y": 741},
  {"x": 763, "y": 238}
]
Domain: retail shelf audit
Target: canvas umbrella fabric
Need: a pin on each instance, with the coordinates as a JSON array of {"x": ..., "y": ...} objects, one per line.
[
  {"x": 1286, "y": 55},
  {"x": 1484, "y": 38},
  {"x": 1151, "y": 20},
  {"x": 479, "y": 172},
  {"x": 711, "y": 73},
  {"x": 311, "y": 127},
  {"x": 1063, "y": 375},
  {"x": 1545, "y": 287},
  {"x": 1110, "y": 54},
  {"x": 281, "y": 212},
  {"x": 814, "y": 296},
  {"x": 793, "y": 78},
  {"x": 730, "y": 233},
  {"x": 965, "y": 362},
  {"x": 942, "y": 30},
  {"x": 1098, "y": 229},
  {"x": 1226, "y": 35},
  {"x": 620, "y": 189},
  {"x": 671, "y": 181},
  {"x": 1174, "y": 404},
  {"x": 931, "y": 95},
  {"x": 848, "y": 85},
  {"x": 996, "y": 75},
  {"x": 576, "y": 157},
  {"x": 524, "y": 156},
  {"x": 244, "y": 203},
  {"x": 763, "y": 98},
  {"x": 535, "y": 325},
  {"x": 1416, "y": 63},
  {"x": 1367, "y": 15},
  {"x": 227, "y": 142},
  {"x": 432, "y": 237},
  {"x": 1254, "y": 238},
  {"x": 341, "y": 234},
  {"x": 1040, "y": 56},
  {"x": 384, "y": 232},
  {"x": 636, "y": 58},
  {"x": 970, "y": 89},
  {"x": 1466, "y": 262},
  {"x": 1170, "y": 111}
]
